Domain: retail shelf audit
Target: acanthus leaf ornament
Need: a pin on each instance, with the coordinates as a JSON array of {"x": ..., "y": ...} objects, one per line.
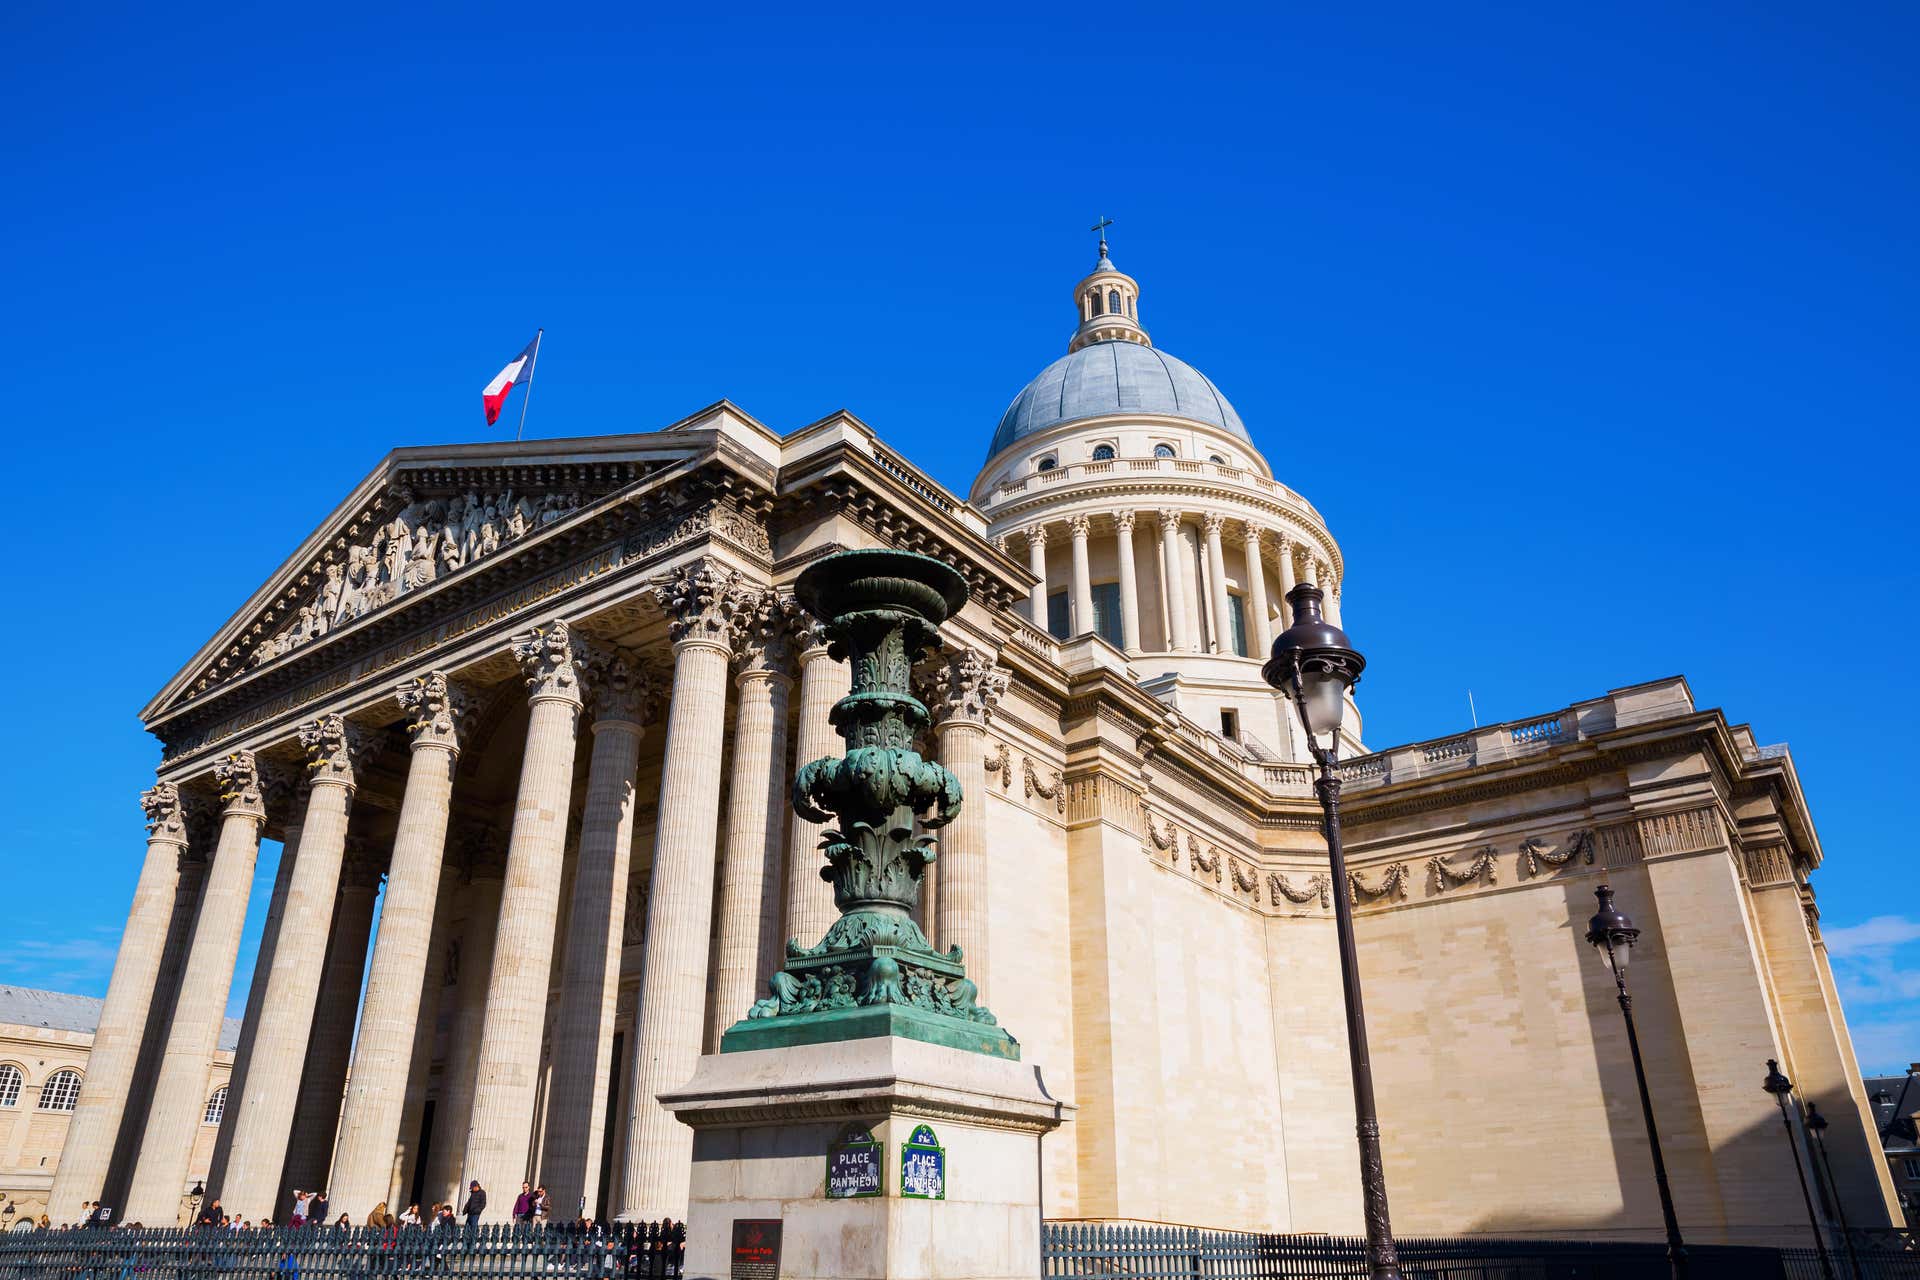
[
  {"x": 166, "y": 816},
  {"x": 621, "y": 687},
  {"x": 237, "y": 774},
  {"x": 967, "y": 687},
  {"x": 706, "y": 603},
  {"x": 549, "y": 661},
  {"x": 337, "y": 748},
  {"x": 438, "y": 710}
]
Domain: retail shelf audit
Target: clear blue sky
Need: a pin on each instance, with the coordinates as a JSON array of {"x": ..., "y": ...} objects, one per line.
[{"x": 1591, "y": 332}]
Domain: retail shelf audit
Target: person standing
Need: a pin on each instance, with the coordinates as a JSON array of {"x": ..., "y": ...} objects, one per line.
[
  {"x": 317, "y": 1211},
  {"x": 476, "y": 1203},
  {"x": 523, "y": 1204}
]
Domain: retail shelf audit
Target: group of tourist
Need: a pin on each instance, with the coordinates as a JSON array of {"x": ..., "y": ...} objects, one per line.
[{"x": 533, "y": 1206}]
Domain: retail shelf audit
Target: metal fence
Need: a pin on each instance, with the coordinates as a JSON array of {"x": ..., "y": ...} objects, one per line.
[
  {"x": 1097, "y": 1251},
  {"x": 613, "y": 1251}
]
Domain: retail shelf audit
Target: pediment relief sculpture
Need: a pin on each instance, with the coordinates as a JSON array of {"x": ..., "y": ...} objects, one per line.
[{"x": 422, "y": 542}]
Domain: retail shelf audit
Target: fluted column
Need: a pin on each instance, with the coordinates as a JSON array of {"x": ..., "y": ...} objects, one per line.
[
  {"x": 262, "y": 1115},
  {"x": 1213, "y": 522},
  {"x": 1129, "y": 585},
  {"x": 1172, "y": 582},
  {"x": 82, "y": 1172},
  {"x": 1331, "y": 585},
  {"x": 1287, "y": 580},
  {"x": 179, "y": 1093},
  {"x": 1037, "y": 564},
  {"x": 623, "y": 695},
  {"x": 323, "y": 1080},
  {"x": 702, "y": 607},
  {"x": 1260, "y": 636},
  {"x": 823, "y": 682},
  {"x": 750, "y": 865},
  {"x": 507, "y": 1079},
  {"x": 436, "y": 710},
  {"x": 294, "y": 803},
  {"x": 1082, "y": 582},
  {"x": 406, "y": 1155},
  {"x": 965, "y": 690},
  {"x": 486, "y": 871}
]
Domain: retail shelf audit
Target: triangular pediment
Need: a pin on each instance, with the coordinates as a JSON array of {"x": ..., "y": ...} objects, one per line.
[{"x": 423, "y": 517}]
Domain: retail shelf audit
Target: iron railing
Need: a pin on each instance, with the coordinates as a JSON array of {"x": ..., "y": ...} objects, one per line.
[
  {"x": 1107, "y": 1251},
  {"x": 611, "y": 1251}
]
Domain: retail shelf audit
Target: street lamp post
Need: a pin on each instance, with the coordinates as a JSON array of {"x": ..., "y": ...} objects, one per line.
[
  {"x": 1817, "y": 1126},
  {"x": 1314, "y": 665},
  {"x": 1612, "y": 935},
  {"x": 1780, "y": 1087}
]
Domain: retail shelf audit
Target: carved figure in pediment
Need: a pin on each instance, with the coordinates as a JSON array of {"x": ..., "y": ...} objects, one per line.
[
  {"x": 420, "y": 560},
  {"x": 490, "y": 529},
  {"x": 472, "y": 513}
]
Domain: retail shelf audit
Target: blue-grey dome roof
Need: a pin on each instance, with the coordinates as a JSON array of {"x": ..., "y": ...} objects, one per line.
[{"x": 1114, "y": 377}]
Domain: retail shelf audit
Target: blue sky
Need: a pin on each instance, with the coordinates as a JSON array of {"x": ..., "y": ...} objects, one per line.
[{"x": 1591, "y": 332}]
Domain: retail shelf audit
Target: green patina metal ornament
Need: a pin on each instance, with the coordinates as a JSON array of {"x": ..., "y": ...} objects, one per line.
[{"x": 875, "y": 973}]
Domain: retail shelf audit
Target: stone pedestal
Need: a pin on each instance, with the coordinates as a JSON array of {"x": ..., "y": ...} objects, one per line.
[{"x": 763, "y": 1121}]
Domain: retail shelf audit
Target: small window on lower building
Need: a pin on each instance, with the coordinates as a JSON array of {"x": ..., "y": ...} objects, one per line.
[
  {"x": 216, "y": 1107},
  {"x": 1230, "y": 723},
  {"x": 1059, "y": 621},
  {"x": 10, "y": 1079},
  {"x": 1237, "y": 619},
  {"x": 1106, "y": 612}
]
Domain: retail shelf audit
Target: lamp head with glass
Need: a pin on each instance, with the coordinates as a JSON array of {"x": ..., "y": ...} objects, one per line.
[
  {"x": 1611, "y": 933},
  {"x": 1314, "y": 665}
]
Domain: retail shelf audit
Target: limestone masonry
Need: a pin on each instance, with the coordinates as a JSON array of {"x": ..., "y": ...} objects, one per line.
[{"x": 553, "y": 696}]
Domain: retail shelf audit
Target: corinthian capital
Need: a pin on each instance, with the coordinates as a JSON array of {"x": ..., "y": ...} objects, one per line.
[
  {"x": 706, "y": 604},
  {"x": 166, "y": 818},
  {"x": 1123, "y": 522},
  {"x": 337, "y": 748},
  {"x": 1212, "y": 522},
  {"x": 238, "y": 776},
  {"x": 550, "y": 661},
  {"x": 1169, "y": 518},
  {"x": 966, "y": 688},
  {"x": 1077, "y": 526},
  {"x": 771, "y": 634},
  {"x": 438, "y": 710},
  {"x": 1037, "y": 538},
  {"x": 620, "y": 686}
]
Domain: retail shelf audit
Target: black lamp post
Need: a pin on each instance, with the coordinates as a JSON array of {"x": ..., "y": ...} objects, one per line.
[
  {"x": 1315, "y": 665},
  {"x": 1817, "y": 1126},
  {"x": 1780, "y": 1087},
  {"x": 1612, "y": 935}
]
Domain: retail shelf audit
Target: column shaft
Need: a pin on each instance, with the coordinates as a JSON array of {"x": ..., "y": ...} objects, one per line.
[
  {"x": 91, "y": 1134},
  {"x": 673, "y": 983},
  {"x": 262, "y": 1116},
  {"x": 323, "y": 1081},
  {"x": 1082, "y": 582},
  {"x": 1037, "y": 564},
  {"x": 1172, "y": 581},
  {"x": 590, "y": 986},
  {"x": 383, "y": 1054},
  {"x": 1129, "y": 585},
  {"x": 810, "y": 909},
  {"x": 507, "y": 1078},
  {"x": 750, "y": 868},
  {"x": 1261, "y": 637},
  {"x": 453, "y": 1113},
  {"x": 1217, "y": 587},
  {"x": 256, "y": 998},
  {"x": 1287, "y": 582},
  {"x": 406, "y": 1158},
  {"x": 179, "y": 1094},
  {"x": 962, "y": 866}
]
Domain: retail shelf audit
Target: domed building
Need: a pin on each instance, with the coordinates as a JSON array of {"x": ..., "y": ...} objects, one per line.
[
  {"x": 1126, "y": 480},
  {"x": 519, "y": 722}
]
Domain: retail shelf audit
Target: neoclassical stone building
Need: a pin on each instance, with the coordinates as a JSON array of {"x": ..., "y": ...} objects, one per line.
[{"x": 546, "y": 699}]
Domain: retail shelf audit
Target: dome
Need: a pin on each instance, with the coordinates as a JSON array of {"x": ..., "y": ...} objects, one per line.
[{"x": 1114, "y": 377}]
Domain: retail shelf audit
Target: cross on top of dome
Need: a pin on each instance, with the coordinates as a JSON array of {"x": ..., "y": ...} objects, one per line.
[{"x": 1108, "y": 301}]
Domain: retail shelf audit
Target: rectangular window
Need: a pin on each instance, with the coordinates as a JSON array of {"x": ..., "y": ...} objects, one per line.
[
  {"x": 1237, "y": 618},
  {"x": 1058, "y": 625},
  {"x": 1106, "y": 612},
  {"x": 1913, "y": 1167},
  {"x": 1229, "y": 723}
]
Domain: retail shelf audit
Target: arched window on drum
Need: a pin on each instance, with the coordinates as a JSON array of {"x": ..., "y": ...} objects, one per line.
[{"x": 61, "y": 1091}]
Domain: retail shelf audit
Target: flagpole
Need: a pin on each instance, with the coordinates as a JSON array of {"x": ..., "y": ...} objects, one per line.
[{"x": 532, "y": 367}]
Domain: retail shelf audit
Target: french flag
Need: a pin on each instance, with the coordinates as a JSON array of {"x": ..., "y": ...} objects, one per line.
[{"x": 496, "y": 393}]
